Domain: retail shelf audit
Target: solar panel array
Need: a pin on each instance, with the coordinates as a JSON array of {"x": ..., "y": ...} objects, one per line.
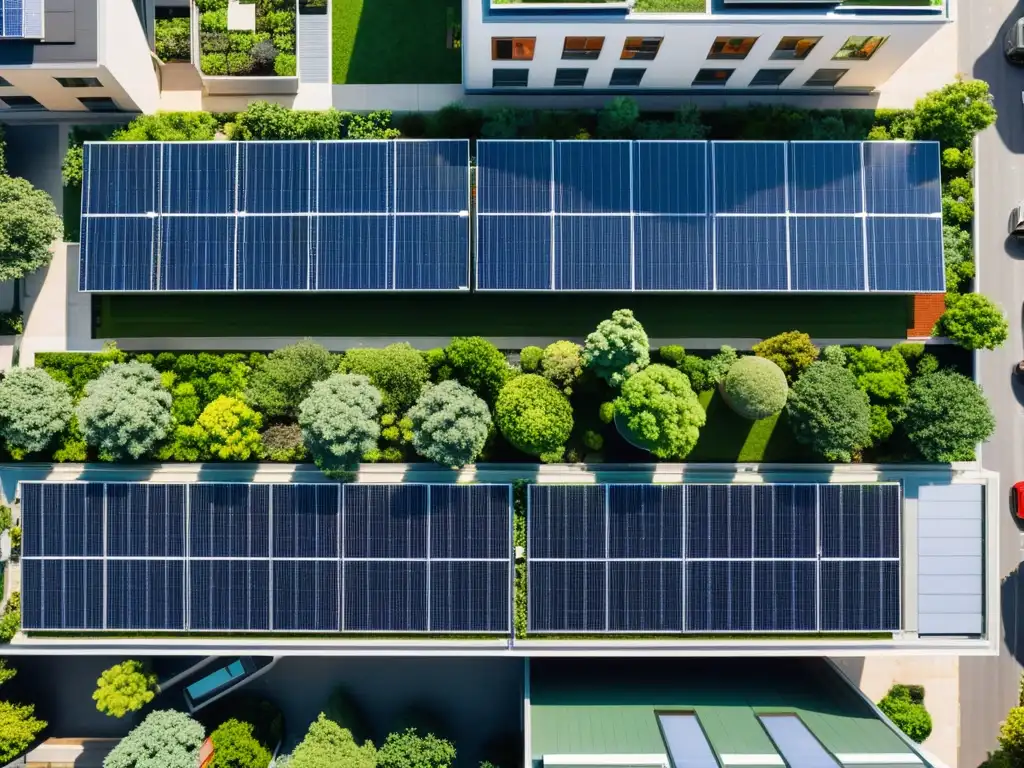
[
  {"x": 275, "y": 216},
  {"x": 713, "y": 558},
  {"x": 21, "y": 18},
  {"x": 709, "y": 216},
  {"x": 227, "y": 557}
]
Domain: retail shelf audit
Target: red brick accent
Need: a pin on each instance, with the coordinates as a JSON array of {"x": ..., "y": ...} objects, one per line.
[{"x": 928, "y": 308}]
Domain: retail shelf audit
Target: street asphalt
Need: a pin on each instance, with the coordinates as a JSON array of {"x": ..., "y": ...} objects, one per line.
[{"x": 989, "y": 686}]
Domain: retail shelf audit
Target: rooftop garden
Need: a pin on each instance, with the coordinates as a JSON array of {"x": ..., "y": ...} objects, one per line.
[{"x": 265, "y": 49}]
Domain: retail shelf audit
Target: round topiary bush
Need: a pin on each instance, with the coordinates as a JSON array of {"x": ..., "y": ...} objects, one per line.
[
  {"x": 534, "y": 416},
  {"x": 908, "y": 715},
  {"x": 659, "y": 412},
  {"x": 755, "y": 388}
]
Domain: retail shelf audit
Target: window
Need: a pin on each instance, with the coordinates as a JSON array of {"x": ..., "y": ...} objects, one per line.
[
  {"x": 100, "y": 104},
  {"x": 795, "y": 48},
  {"x": 713, "y": 76},
  {"x": 627, "y": 77},
  {"x": 687, "y": 745},
  {"x": 509, "y": 48},
  {"x": 826, "y": 78},
  {"x": 570, "y": 76},
  {"x": 79, "y": 82},
  {"x": 25, "y": 103},
  {"x": 731, "y": 47},
  {"x": 510, "y": 78},
  {"x": 5, "y": 83},
  {"x": 641, "y": 48},
  {"x": 797, "y": 745},
  {"x": 582, "y": 47},
  {"x": 770, "y": 76},
  {"x": 860, "y": 48}
]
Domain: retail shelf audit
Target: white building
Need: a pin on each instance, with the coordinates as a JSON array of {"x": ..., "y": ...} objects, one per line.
[{"x": 796, "y": 46}]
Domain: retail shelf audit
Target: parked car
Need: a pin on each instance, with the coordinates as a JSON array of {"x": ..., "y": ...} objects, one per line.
[
  {"x": 1013, "y": 46},
  {"x": 1018, "y": 498},
  {"x": 1018, "y": 369},
  {"x": 1017, "y": 218}
]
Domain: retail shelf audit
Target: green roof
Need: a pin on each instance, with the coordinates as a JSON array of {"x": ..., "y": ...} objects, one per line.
[{"x": 584, "y": 707}]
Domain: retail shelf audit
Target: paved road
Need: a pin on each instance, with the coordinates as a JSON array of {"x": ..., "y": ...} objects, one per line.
[{"x": 988, "y": 687}]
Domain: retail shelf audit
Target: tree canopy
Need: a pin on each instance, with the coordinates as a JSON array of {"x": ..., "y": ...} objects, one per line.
[
  {"x": 328, "y": 745},
  {"x": 479, "y": 365},
  {"x": 755, "y": 387},
  {"x": 398, "y": 371},
  {"x": 660, "y": 412},
  {"x": 126, "y": 411},
  {"x": 618, "y": 349},
  {"x": 792, "y": 351},
  {"x": 562, "y": 363},
  {"x": 829, "y": 413},
  {"x": 123, "y": 688},
  {"x": 953, "y": 114},
  {"x": 339, "y": 420},
  {"x": 947, "y": 416},
  {"x": 229, "y": 429},
  {"x": 407, "y": 749},
  {"x": 165, "y": 739},
  {"x": 450, "y": 424},
  {"x": 974, "y": 321},
  {"x": 29, "y": 225},
  {"x": 535, "y": 417},
  {"x": 234, "y": 746},
  {"x": 280, "y": 384},
  {"x": 18, "y": 724},
  {"x": 33, "y": 409}
]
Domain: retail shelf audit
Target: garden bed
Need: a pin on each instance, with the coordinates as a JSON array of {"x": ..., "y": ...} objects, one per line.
[{"x": 267, "y": 51}]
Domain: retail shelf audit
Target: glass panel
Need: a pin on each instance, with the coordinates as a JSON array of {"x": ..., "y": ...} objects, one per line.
[
  {"x": 770, "y": 76},
  {"x": 582, "y": 47},
  {"x": 687, "y": 745},
  {"x": 860, "y": 48},
  {"x": 504, "y": 48},
  {"x": 713, "y": 76},
  {"x": 731, "y": 47},
  {"x": 796, "y": 48},
  {"x": 797, "y": 745},
  {"x": 643, "y": 48},
  {"x": 826, "y": 77}
]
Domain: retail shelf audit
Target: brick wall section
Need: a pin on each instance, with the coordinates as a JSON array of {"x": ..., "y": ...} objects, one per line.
[{"x": 928, "y": 308}]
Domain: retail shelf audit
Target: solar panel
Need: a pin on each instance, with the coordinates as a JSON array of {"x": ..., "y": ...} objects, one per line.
[
  {"x": 751, "y": 253},
  {"x": 432, "y": 176},
  {"x": 469, "y": 596},
  {"x": 902, "y": 177},
  {"x": 141, "y": 521},
  {"x": 515, "y": 177},
  {"x": 901, "y": 254},
  {"x": 670, "y": 177},
  {"x": 120, "y": 178},
  {"x": 353, "y": 253},
  {"x": 229, "y": 595},
  {"x": 199, "y": 178},
  {"x": 118, "y": 252},
  {"x": 860, "y": 595},
  {"x": 197, "y": 253},
  {"x": 719, "y": 596},
  {"x": 21, "y": 18},
  {"x": 277, "y": 177},
  {"x": 567, "y": 596},
  {"x": 385, "y": 596},
  {"x": 273, "y": 253},
  {"x": 229, "y": 520},
  {"x": 306, "y": 520},
  {"x": 567, "y": 522},
  {"x": 750, "y": 177},
  {"x": 826, "y": 254},
  {"x": 825, "y": 177},
  {"x": 145, "y": 594},
  {"x": 306, "y": 595},
  {"x": 593, "y": 253},
  {"x": 385, "y": 521},
  {"x": 645, "y": 597},
  {"x": 431, "y": 253},
  {"x": 62, "y": 594},
  {"x": 785, "y": 596},
  {"x": 470, "y": 522},
  {"x": 645, "y": 521},
  {"x": 673, "y": 253},
  {"x": 355, "y": 176},
  {"x": 514, "y": 253},
  {"x": 860, "y": 522},
  {"x": 593, "y": 177}
]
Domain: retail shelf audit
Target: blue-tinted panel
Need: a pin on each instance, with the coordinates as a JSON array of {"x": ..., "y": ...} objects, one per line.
[
  {"x": 31, "y": 519},
  {"x": 785, "y": 521},
  {"x": 306, "y": 595},
  {"x": 197, "y": 254},
  {"x": 673, "y": 253},
  {"x": 686, "y": 741},
  {"x": 32, "y": 592},
  {"x": 827, "y": 254},
  {"x": 61, "y": 519},
  {"x": 431, "y": 253},
  {"x": 707, "y": 521},
  {"x": 53, "y": 520},
  {"x": 741, "y": 521},
  {"x": 62, "y": 594},
  {"x": 470, "y": 521},
  {"x": 592, "y": 176},
  {"x": 645, "y": 521},
  {"x": 385, "y": 521},
  {"x": 592, "y": 253},
  {"x": 860, "y": 521},
  {"x": 718, "y": 596},
  {"x": 199, "y": 178},
  {"x": 277, "y": 177},
  {"x": 905, "y": 255},
  {"x": 117, "y": 254},
  {"x": 306, "y": 520},
  {"x": 514, "y": 176},
  {"x": 670, "y": 177},
  {"x": 860, "y": 596},
  {"x": 229, "y": 595},
  {"x": 750, "y": 177},
  {"x": 513, "y": 253},
  {"x": 566, "y": 521},
  {"x": 355, "y": 177},
  {"x": 825, "y": 177},
  {"x": 145, "y": 520},
  {"x": 750, "y": 253},
  {"x": 785, "y": 596},
  {"x": 645, "y": 596},
  {"x": 385, "y": 596},
  {"x": 145, "y": 594},
  {"x": 799, "y": 747},
  {"x": 469, "y": 597},
  {"x": 902, "y": 177},
  {"x": 432, "y": 176},
  {"x": 13, "y": 18},
  {"x": 273, "y": 253},
  {"x": 353, "y": 253},
  {"x": 567, "y": 597},
  {"x": 83, "y": 520},
  {"x": 229, "y": 520},
  {"x": 82, "y": 594},
  {"x": 119, "y": 177}
]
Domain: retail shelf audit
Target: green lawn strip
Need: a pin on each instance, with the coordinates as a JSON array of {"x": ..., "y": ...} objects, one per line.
[
  {"x": 72, "y": 214},
  {"x": 727, "y": 437},
  {"x": 705, "y": 316},
  {"x": 394, "y": 41},
  {"x": 670, "y": 6}
]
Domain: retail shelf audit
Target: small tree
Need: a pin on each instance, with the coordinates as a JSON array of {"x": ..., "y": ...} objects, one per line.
[
  {"x": 562, "y": 364},
  {"x": 755, "y": 388},
  {"x": 450, "y": 424},
  {"x": 479, "y": 365},
  {"x": 1011, "y": 736},
  {"x": 125, "y": 687},
  {"x": 660, "y": 412},
  {"x": 29, "y": 224},
  {"x": 535, "y": 417},
  {"x": 18, "y": 724},
  {"x": 339, "y": 420},
  {"x": 529, "y": 359},
  {"x": 974, "y": 322},
  {"x": 947, "y": 416},
  {"x": 618, "y": 349},
  {"x": 953, "y": 114},
  {"x": 410, "y": 750},
  {"x": 792, "y": 351},
  {"x": 909, "y": 716},
  {"x": 287, "y": 376},
  {"x": 398, "y": 371},
  {"x": 328, "y": 745},
  {"x": 230, "y": 429},
  {"x": 34, "y": 408},
  {"x": 234, "y": 746},
  {"x": 165, "y": 738},
  {"x": 829, "y": 413},
  {"x": 126, "y": 411}
]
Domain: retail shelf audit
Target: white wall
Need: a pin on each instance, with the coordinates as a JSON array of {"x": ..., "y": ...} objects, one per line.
[{"x": 125, "y": 54}]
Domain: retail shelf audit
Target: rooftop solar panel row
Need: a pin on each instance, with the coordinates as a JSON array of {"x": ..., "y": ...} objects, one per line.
[{"x": 21, "y": 18}]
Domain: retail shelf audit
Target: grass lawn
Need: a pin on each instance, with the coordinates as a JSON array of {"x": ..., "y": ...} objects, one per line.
[
  {"x": 727, "y": 437},
  {"x": 72, "y": 214},
  {"x": 395, "y": 41},
  {"x": 558, "y": 315}
]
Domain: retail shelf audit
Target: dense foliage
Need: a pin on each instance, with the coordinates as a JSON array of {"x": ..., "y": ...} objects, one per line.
[
  {"x": 952, "y": 115},
  {"x": 755, "y": 387},
  {"x": 339, "y": 420},
  {"x": 791, "y": 351},
  {"x": 126, "y": 411},
  {"x": 328, "y": 745},
  {"x": 287, "y": 376},
  {"x": 660, "y": 412},
  {"x": 535, "y": 417},
  {"x": 618, "y": 349},
  {"x": 18, "y": 724},
  {"x": 479, "y": 365},
  {"x": 1011, "y": 737},
  {"x": 450, "y": 424},
  {"x": 829, "y": 413},
  {"x": 947, "y": 416},
  {"x": 234, "y": 746},
  {"x": 398, "y": 371},
  {"x": 908, "y": 714},
  {"x": 562, "y": 363},
  {"x": 28, "y": 226},
  {"x": 974, "y": 322},
  {"x": 166, "y": 738},
  {"x": 238, "y": 52},
  {"x": 408, "y": 749},
  {"x": 173, "y": 38},
  {"x": 228, "y": 429},
  {"x": 34, "y": 408},
  {"x": 123, "y": 688}
]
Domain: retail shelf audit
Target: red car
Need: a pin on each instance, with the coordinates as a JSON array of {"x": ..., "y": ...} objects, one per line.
[{"x": 1018, "y": 498}]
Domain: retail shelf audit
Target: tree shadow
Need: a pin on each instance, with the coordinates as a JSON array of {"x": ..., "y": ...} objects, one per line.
[
  {"x": 1010, "y": 604},
  {"x": 1006, "y": 83},
  {"x": 723, "y": 435}
]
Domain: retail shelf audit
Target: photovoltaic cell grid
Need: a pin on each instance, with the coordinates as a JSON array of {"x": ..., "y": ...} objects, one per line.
[
  {"x": 266, "y": 557},
  {"x": 713, "y": 558},
  {"x": 21, "y": 18},
  {"x": 275, "y": 216},
  {"x": 709, "y": 216}
]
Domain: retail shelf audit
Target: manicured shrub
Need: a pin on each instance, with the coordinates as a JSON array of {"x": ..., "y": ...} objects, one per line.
[
  {"x": 928, "y": 363},
  {"x": 76, "y": 369},
  {"x": 264, "y": 121},
  {"x": 230, "y": 429},
  {"x": 792, "y": 351},
  {"x": 398, "y": 371},
  {"x": 535, "y": 417},
  {"x": 910, "y": 352},
  {"x": 672, "y": 354},
  {"x": 866, "y": 359},
  {"x": 339, "y": 420},
  {"x": 19, "y": 727},
  {"x": 888, "y": 390},
  {"x": 29, "y": 224},
  {"x": 125, "y": 412},
  {"x": 974, "y": 321},
  {"x": 562, "y": 364},
  {"x": 696, "y": 369},
  {"x": 169, "y": 126},
  {"x": 479, "y": 365},
  {"x": 660, "y": 412},
  {"x": 285, "y": 65},
  {"x": 618, "y": 349},
  {"x": 529, "y": 359},
  {"x": 234, "y": 746},
  {"x": 185, "y": 406},
  {"x": 953, "y": 114},
  {"x": 958, "y": 203},
  {"x": 71, "y": 166},
  {"x": 407, "y": 749},
  {"x": 287, "y": 376},
  {"x": 956, "y": 245},
  {"x": 956, "y": 162},
  {"x": 34, "y": 408},
  {"x": 173, "y": 39},
  {"x": 606, "y": 412},
  {"x": 328, "y": 745},
  {"x": 450, "y": 424},
  {"x": 718, "y": 366},
  {"x": 834, "y": 354},
  {"x": 593, "y": 440},
  {"x": 123, "y": 688},
  {"x": 829, "y": 413},
  {"x": 909, "y": 716},
  {"x": 755, "y": 388},
  {"x": 1011, "y": 736},
  {"x": 947, "y": 416},
  {"x": 283, "y": 442},
  {"x": 166, "y": 738}
]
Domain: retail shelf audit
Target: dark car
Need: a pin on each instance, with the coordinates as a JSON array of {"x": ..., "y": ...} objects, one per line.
[{"x": 1014, "y": 44}]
